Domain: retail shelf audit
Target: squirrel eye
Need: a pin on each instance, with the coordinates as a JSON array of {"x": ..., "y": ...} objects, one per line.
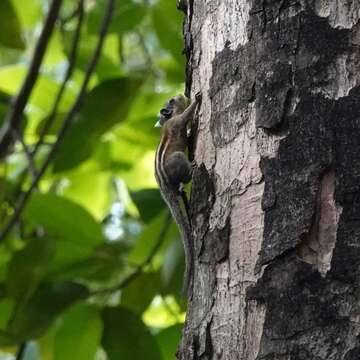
[
  {"x": 171, "y": 101},
  {"x": 166, "y": 113}
]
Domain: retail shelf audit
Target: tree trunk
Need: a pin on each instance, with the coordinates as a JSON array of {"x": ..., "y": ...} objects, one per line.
[{"x": 276, "y": 192}]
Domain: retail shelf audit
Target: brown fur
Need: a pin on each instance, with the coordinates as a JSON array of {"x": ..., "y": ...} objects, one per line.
[{"x": 172, "y": 168}]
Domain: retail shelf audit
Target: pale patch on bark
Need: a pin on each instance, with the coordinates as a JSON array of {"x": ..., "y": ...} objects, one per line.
[
  {"x": 237, "y": 167},
  {"x": 239, "y": 160},
  {"x": 341, "y": 14},
  {"x": 317, "y": 248},
  {"x": 205, "y": 149},
  {"x": 255, "y": 322},
  {"x": 241, "y": 322},
  {"x": 227, "y": 20},
  {"x": 239, "y": 188},
  {"x": 225, "y": 23},
  {"x": 236, "y": 18},
  {"x": 239, "y": 192},
  {"x": 344, "y": 74},
  {"x": 344, "y": 79}
]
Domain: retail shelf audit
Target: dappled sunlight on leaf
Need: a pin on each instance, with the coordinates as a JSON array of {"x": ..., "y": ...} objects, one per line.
[{"x": 163, "y": 313}]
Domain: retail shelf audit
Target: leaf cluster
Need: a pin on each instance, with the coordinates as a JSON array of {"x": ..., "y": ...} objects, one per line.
[{"x": 91, "y": 266}]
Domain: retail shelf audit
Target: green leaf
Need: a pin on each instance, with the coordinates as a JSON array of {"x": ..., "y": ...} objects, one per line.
[
  {"x": 135, "y": 166},
  {"x": 3, "y": 111},
  {"x": 140, "y": 133},
  {"x": 90, "y": 181},
  {"x": 148, "y": 104},
  {"x": 106, "y": 105},
  {"x": 6, "y": 308},
  {"x": 29, "y": 12},
  {"x": 4, "y": 104},
  {"x": 138, "y": 295},
  {"x": 54, "y": 52},
  {"x": 126, "y": 17},
  {"x": 146, "y": 241},
  {"x": 172, "y": 269},
  {"x": 63, "y": 219},
  {"x": 32, "y": 319},
  {"x": 74, "y": 230},
  {"x": 167, "y": 21},
  {"x": 44, "y": 92},
  {"x": 46, "y": 342},
  {"x": 168, "y": 340},
  {"x": 28, "y": 266},
  {"x": 7, "y": 249},
  {"x": 79, "y": 333},
  {"x": 139, "y": 129},
  {"x": 173, "y": 69},
  {"x": 55, "y": 125},
  {"x": 106, "y": 67},
  {"x": 10, "y": 30},
  {"x": 149, "y": 203},
  {"x": 105, "y": 262},
  {"x": 126, "y": 337}
]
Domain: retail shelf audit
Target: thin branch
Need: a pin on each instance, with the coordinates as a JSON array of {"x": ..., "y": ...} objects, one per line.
[
  {"x": 147, "y": 54},
  {"x": 145, "y": 50},
  {"x": 71, "y": 65},
  {"x": 120, "y": 49},
  {"x": 21, "y": 352},
  {"x": 140, "y": 268},
  {"x": 29, "y": 156},
  {"x": 67, "y": 121},
  {"x": 70, "y": 16},
  {"x": 14, "y": 115}
]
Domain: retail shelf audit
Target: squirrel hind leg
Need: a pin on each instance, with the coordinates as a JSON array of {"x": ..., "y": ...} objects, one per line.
[{"x": 178, "y": 168}]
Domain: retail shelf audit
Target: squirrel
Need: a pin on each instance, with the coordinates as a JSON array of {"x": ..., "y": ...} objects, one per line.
[{"x": 173, "y": 170}]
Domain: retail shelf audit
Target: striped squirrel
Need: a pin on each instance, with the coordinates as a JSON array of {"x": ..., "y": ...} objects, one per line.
[{"x": 173, "y": 169}]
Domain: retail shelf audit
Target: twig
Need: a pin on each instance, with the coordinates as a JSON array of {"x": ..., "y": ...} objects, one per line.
[
  {"x": 140, "y": 268},
  {"x": 67, "y": 121},
  {"x": 28, "y": 154},
  {"x": 14, "y": 115},
  {"x": 120, "y": 49},
  {"x": 147, "y": 54},
  {"x": 145, "y": 50},
  {"x": 21, "y": 352},
  {"x": 71, "y": 64},
  {"x": 70, "y": 16}
]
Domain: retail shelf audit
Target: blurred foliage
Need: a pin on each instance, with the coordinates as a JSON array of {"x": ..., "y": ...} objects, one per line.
[{"x": 92, "y": 270}]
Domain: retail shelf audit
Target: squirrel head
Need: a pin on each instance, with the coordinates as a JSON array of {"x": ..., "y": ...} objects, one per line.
[{"x": 175, "y": 106}]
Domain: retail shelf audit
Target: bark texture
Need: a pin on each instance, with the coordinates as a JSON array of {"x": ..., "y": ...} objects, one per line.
[{"x": 276, "y": 192}]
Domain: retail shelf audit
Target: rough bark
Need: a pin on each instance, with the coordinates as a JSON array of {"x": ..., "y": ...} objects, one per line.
[{"x": 276, "y": 192}]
